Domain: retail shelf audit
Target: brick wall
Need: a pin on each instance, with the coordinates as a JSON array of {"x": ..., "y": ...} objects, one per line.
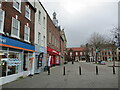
[{"x": 12, "y": 12}]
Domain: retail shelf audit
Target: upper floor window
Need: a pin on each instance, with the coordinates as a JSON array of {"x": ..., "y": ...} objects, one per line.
[
  {"x": 39, "y": 38},
  {"x": 53, "y": 40},
  {"x": 17, "y": 4},
  {"x": 70, "y": 53},
  {"x": 27, "y": 12},
  {"x": 50, "y": 37},
  {"x": 15, "y": 28},
  {"x": 44, "y": 40},
  {"x": 39, "y": 17},
  {"x": 27, "y": 33},
  {"x": 44, "y": 22},
  {"x": 1, "y": 21}
]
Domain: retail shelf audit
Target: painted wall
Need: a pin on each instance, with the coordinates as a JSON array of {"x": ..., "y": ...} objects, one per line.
[{"x": 39, "y": 25}]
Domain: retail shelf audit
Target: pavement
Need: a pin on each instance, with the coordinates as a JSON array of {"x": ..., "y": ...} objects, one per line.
[{"x": 71, "y": 79}]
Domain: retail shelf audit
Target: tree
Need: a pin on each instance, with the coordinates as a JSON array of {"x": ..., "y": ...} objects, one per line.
[
  {"x": 97, "y": 40},
  {"x": 116, "y": 35}
]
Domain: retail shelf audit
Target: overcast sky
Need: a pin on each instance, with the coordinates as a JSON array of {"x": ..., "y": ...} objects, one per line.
[{"x": 80, "y": 18}]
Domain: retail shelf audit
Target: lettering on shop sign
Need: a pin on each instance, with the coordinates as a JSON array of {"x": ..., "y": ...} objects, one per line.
[
  {"x": 54, "y": 51},
  {"x": 3, "y": 40}
]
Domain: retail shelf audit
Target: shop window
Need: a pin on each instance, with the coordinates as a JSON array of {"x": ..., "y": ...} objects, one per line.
[
  {"x": 10, "y": 63},
  {"x": 17, "y": 4},
  {"x": 27, "y": 12},
  {"x": 15, "y": 28},
  {"x": 1, "y": 21},
  {"x": 27, "y": 34}
]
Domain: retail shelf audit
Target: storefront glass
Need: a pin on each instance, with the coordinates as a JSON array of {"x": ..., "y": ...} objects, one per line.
[{"x": 10, "y": 62}]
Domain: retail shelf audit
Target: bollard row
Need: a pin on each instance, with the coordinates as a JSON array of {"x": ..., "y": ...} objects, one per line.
[{"x": 80, "y": 71}]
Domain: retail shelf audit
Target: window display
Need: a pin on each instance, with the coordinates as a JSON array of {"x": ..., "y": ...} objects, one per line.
[{"x": 10, "y": 63}]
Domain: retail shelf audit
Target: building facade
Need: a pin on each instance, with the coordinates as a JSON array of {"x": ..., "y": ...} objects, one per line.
[
  {"x": 76, "y": 54},
  {"x": 40, "y": 37},
  {"x": 16, "y": 40},
  {"x": 107, "y": 52},
  {"x": 63, "y": 46},
  {"x": 53, "y": 43}
]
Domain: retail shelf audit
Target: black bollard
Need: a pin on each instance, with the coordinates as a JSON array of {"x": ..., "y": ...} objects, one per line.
[
  {"x": 64, "y": 70},
  {"x": 48, "y": 70},
  {"x": 113, "y": 70},
  {"x": 72, "y": 62},
  {"x": 96, "y": 70},
  {"x": 80, "y": 70}
]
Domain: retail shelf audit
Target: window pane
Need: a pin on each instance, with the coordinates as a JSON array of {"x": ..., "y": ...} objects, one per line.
[
  {"x": 15, "y": 27},
  {"x": 16, "y": 4},
  {"x": 15, "y": 32},
  {"x": 26, "y": 33},
  {"x": 1, "y": 19},
  {"x": 27, "y": 12}
]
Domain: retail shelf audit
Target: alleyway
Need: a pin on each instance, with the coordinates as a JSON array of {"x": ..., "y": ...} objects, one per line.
[{"x": 72, "y": 79}]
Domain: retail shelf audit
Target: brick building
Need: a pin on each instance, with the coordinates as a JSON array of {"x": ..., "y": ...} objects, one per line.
[
  {"x": 16, "y": 40},
  {"x": 53, "y": 42},
  {"x": 76, "y": 54},
  {"x": 63, "y": 45}
]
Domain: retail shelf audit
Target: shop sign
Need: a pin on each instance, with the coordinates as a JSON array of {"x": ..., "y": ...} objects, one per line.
[
  {"x": 39, "y": 48},
  {"x": 15, "y": 43},
  {"x": 2, "y": 40},
  {"x": 53, "y": 51},
  {"x": 13, "y": 62}
]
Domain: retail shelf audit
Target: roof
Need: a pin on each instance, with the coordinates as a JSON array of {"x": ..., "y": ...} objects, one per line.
[{"x": 76, "y": 49}]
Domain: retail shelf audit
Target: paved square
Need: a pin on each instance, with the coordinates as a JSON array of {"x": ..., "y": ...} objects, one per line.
[{"x": 72, "y": 79}]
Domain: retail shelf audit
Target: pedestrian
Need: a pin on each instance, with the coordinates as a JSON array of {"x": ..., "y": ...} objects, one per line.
[{"x": 49, "y": 59}]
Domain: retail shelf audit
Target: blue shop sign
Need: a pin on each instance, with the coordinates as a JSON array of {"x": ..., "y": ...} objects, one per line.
[
  {"x": 15, "y": 43},
  {"x": 39, "y": 48}
]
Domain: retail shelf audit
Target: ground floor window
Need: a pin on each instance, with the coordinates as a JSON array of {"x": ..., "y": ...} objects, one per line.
[{"x": 10, "y": 62}]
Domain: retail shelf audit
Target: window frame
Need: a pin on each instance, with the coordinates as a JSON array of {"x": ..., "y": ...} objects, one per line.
[
  {"x": 39, "y": 17},
  {"x": 2, "y": 27},
  {"x": 19, "y": 1},
  {"x": 29, "y": 18},
  {"x": 18, "y": 28},
  {"x": 39, "y": 38},
  {"x": 28, "y": 33}
]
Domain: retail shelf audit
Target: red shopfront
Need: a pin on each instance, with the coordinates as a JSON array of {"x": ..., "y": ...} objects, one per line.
[{"x": 55, "y": 56}]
